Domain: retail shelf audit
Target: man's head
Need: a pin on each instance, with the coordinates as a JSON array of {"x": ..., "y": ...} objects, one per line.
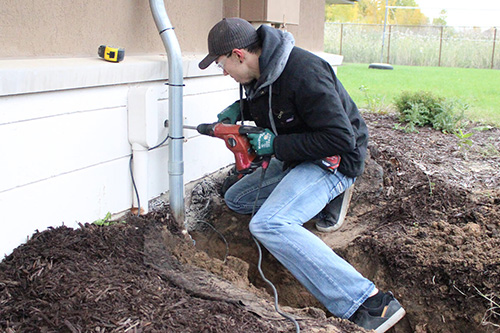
[{"x": 227, "y": 35}]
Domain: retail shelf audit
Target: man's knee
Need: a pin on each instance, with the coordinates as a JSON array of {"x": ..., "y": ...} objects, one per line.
[
  {"x": 256, "y": 227},
  {"x": 235, "y": 204},
  {"x": 231, "y": 203}
]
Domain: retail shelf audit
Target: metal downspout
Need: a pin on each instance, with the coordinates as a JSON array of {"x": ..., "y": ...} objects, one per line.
[{"x": 175, "y": 95}]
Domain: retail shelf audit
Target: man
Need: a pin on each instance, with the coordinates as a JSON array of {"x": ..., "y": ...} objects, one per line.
[{"x": 308, "y": 116}]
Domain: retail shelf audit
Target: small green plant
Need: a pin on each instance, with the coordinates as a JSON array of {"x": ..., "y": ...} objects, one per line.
[
  {"x": 375, "y": 103},
  {"x": 406, "y": 128},
  {"x": 463, "y": 138},
  {"x": 432, "y": 185},
  {"x": 106, "y": 221},
  {"x": 450, "y": 116}
]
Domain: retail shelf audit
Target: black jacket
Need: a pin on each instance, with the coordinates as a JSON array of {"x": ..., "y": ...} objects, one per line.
[{"x": 313, "y": 114}]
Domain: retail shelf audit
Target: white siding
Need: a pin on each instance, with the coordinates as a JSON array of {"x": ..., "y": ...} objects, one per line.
[{"x": 64, "y": 141}]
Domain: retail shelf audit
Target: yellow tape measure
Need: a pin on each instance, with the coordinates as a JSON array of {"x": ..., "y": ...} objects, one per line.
[{"x": 113, "y": 54}]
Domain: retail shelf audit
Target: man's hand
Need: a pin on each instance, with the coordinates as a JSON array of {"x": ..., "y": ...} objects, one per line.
[
  {"x": 231, "y": 113},
  {"x": 262, "y": 143}
]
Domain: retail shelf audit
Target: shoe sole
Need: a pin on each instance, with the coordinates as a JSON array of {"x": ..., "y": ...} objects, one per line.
[
  {"x": 397, "y": 316},
  {"x": 343, "y": 212}
]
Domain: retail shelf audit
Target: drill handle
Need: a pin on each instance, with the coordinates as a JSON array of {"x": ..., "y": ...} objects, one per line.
[
  {"x": 245, "y": 129},
  {"x": 225, "y": 121}
]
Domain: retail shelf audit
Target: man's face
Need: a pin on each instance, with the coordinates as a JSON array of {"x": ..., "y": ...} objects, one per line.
[{"x": 235, "y": 67}]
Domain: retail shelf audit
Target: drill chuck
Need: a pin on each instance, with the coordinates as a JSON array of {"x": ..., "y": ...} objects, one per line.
[{"x": 206, "y": 129}]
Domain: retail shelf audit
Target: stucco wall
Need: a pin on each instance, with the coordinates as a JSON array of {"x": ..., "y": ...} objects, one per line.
[
  {"x": 309, "y": 34},
  {"x": 55, "y": 28},
  {"x": 77, "y": 27}
]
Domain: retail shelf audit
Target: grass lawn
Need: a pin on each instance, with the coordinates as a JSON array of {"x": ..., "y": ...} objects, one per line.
[{"x": 480, "y": 88}]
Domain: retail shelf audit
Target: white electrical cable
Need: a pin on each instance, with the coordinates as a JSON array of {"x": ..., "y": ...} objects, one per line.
[{"x": 275, "y": 292}]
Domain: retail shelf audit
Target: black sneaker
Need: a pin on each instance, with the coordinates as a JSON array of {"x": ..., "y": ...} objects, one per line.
[
  {"x": 229, "y": 181},
  {"x": 379, "y": 318},
  {"x": 333, "y": 215}
]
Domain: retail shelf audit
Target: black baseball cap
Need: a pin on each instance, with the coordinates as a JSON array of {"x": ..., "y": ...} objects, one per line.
[{"x": 230, "y": 33}]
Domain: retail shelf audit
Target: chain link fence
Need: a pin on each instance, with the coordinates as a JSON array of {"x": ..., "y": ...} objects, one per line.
[{"x": 466, "y": 47}]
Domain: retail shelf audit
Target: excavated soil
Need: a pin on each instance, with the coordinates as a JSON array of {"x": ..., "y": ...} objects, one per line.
[{"x": 424, "y": 222}]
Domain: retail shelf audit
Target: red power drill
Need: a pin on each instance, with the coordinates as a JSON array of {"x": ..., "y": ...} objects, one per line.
[{"x": 236, "y": 141}]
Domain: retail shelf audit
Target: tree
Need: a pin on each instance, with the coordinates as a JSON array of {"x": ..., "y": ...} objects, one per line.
[
  {"x": 441, "y": 20},
  {"x": 341, "y": 13},
  {"x": 409, "y": 16},
  {"x": 373, "y": 11}
]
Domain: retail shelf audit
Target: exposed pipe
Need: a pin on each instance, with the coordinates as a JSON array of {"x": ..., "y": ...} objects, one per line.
[{"x": 175, "y": 95}]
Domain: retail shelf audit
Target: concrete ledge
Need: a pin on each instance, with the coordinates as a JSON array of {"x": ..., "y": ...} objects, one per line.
[
  {"x": 22, "y": 76},
  {"x": 333, "y": 59}
]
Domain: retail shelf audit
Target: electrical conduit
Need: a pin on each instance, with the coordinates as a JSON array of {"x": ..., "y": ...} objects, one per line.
[{"x": 175, "y": 83}]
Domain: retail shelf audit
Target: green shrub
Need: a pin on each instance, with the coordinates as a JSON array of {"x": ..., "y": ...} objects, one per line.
[
  {"x": 422, "y": 108},
  {"x": 417, "y": 107},
  {"x": 450, "y": 116}
]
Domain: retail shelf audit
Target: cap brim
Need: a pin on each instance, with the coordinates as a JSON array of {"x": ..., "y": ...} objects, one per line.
[{"x": 207, "y": 61}]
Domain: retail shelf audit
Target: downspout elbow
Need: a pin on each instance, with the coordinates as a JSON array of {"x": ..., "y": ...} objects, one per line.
[{"x": 175, "y": 83}]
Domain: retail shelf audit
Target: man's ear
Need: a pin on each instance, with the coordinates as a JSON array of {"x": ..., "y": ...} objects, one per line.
[{"x": 240, "y": 54}]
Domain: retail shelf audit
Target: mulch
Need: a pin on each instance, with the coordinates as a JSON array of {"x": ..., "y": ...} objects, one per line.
[{"x": 95, "y": 278}]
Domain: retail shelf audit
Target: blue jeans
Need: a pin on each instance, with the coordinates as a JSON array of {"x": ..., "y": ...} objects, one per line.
[{"x": 287, "y": 200}]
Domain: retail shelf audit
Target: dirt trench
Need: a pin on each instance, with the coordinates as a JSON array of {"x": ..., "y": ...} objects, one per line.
[{"x": 424, "y": 222}]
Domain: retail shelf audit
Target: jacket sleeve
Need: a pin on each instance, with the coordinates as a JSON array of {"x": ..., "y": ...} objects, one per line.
[{"x": 320, "y": 100}]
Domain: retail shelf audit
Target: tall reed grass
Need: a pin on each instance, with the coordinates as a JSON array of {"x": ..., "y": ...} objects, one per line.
[{"x": 465, "y": 47}]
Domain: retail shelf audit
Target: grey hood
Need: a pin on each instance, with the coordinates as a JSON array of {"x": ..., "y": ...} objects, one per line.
[{"x": 276, "y": 48}]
